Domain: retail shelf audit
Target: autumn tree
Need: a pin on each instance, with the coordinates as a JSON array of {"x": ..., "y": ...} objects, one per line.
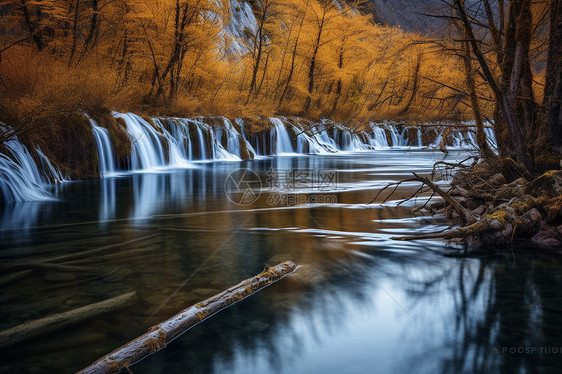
[{"x": 524, "y": 123}]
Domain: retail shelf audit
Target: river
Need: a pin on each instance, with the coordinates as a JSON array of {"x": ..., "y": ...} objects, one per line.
[{"x": 359, "y": 303}]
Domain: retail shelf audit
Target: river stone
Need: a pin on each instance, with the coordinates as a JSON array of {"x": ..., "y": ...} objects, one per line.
[
  {"x": 531, "y": 219},
  {"x": 546, "y": 237}
]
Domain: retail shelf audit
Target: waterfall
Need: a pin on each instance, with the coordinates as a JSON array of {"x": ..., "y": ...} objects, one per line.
[
  {"x": 378, "y": 138},
  {"x": 202, "y": 144},
  {"x": 167, "y": 143},
  {"x": 232, "y": 151},
  {"x": 105, "y": 150},
  {"x": 55, "y": 175},
  {"x": 491, "y": 137},
  {"x": 283, "y": 143},
  {"x": 324, "y": 140},
  {"x": 315, "y": 143},
  {"x": 147, "y": 152},
  {"x": 394, "y": 135},
  {"x": 20, "y": 178},
  {"x": 147, "y": 144},
  {"x": 177, "y": 155},
  {"x": 249, "y": 147}
]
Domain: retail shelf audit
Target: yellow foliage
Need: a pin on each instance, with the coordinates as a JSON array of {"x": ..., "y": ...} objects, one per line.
[{"x": 302, "y": 57}]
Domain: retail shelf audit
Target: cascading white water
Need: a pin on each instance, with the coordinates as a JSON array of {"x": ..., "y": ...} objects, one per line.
[
  {"x": 20, "y": 178},
  {"x": 177, "y": 156},
  {"x": 350, "y": 141},
  {"x": 202, "y": 144},
  {"x": 491, "y": 137},
  {"x": 175, "y": 143},
  {"x": 232, "y": 138},
  {"x": 147, "y": 145},
  {"x": 324, "y": 140},
  {"x": 147, "y": 152},
  {"x": 283, "y": 144},
  {"x": 315, "y": 142},
  {"x": 54, "y": 175},
  {"x": 399, "y": 139},
  {"x": 105, "y": 150},
  {"x": 438, "y": 139},
  {"x": 378, "y": 139},
  {"x": 232, "y": 151}
]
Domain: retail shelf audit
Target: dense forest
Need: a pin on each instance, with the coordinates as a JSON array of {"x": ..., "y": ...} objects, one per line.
[{"x": 306, "y": 57}]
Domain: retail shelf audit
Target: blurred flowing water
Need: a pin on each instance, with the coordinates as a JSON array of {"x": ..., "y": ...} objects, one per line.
[{"x": 359, "y": 303}]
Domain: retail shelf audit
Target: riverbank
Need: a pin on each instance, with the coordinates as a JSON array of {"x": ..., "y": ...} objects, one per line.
[{"x": 495, "y": 209}]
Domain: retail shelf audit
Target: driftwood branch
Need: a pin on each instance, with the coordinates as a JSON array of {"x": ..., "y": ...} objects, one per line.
[
  {"x": 56, "y": 322},
  {"x": 160, "y": 335},
  {"x": 469, "y": 218}
]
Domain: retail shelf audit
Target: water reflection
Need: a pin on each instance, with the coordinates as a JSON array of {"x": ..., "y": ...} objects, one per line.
[
  {"x": 347, "y": 323},
  {"x": 107, "y": 199},
  {"x": 21, "y": 215},
  {"x": 359, "y": 303}
]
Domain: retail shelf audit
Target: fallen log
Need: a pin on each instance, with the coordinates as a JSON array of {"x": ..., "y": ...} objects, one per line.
[
  {"x": 59, "y": 321},
  {"x": 160, "y": 335}
]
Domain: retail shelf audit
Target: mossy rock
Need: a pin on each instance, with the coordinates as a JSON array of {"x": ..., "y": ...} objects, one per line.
[{"x": 548, "y": 184}]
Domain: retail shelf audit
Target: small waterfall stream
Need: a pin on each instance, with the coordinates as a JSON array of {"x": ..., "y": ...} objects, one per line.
[
  {"x": 105, "y": 150},
  {"x": 283, "y": 144},
  {"x": 21, "y": 178}
]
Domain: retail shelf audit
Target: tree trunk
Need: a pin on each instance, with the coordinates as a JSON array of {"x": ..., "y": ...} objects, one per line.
[
  {"x": 160, "y": 335},
  {"x": 59, "y": 321},
  {"x": 93, "y": 27},
  {"x": 33, "y": 29},
  {"x": 501, "y": 90},
  {"x": 552, "y": 108},
  {"x": 312, "y": 66}
]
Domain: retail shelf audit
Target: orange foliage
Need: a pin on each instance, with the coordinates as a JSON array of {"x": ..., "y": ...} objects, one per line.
[{"x": 303, "y": 57}]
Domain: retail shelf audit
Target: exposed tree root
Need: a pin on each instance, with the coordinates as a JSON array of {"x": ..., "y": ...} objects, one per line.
[{"x": 494, "y": 208}]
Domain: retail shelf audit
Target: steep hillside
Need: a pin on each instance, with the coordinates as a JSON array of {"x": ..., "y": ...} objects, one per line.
[{"x": 407, "y": 14}]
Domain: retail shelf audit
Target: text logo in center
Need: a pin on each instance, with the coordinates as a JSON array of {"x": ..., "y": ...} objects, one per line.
[{"x": 243, "y": 186}]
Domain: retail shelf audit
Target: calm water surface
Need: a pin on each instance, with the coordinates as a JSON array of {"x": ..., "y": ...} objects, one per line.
[{"x": 359, "y": 303}]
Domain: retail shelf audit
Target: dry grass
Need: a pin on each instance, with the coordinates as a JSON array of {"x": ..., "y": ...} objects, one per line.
[{"x": 37, "y": 86}]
